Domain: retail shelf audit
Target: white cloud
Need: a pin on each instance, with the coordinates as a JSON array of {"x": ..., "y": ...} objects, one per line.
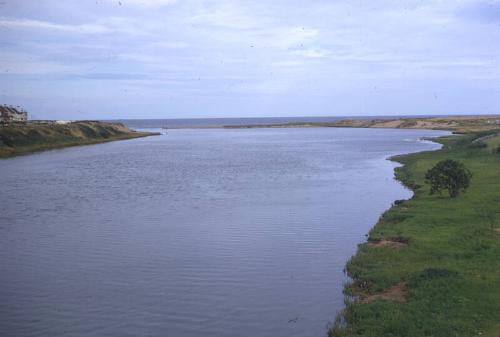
[
  {"x": 290, "y": 37},
  {"x": 15, "y": 23},
  {"x": 227, "y": 15},
  {"x": 311, "y": 52},
  {"x": 146, "y": 3},
  {"x": 169, "y": 45},
  {"x": 287, "y": 64},
  {"x": 15, "y": 63},
  {"x": 266, "y": 87},
  {"x": 243, "y": 46}
]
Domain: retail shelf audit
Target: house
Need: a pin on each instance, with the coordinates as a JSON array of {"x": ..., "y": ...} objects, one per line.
[{"x": 10, "y": 114}]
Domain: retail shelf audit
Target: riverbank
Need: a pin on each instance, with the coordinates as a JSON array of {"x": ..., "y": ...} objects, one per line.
[
  {"x": 431, "y": 265},
  {"x": 18, "y": 139},
  {"x": 459, "y": 124}
]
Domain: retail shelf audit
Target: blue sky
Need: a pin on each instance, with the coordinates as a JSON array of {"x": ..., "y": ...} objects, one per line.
[{"x": 192, "y": 58}]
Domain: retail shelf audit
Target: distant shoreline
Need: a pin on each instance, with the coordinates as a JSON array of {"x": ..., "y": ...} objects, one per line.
[
  {"x": 459, "y": 124},
  {"x": 18, "y": 139},
  {"x": 450, "y": 123}
]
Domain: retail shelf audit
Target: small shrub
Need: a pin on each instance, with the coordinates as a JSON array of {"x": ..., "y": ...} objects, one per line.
[
  {"x": 431, "y": 274},
  {"x": 400, "y": 239},
  {"x": 395, "y": 217},
  {"x": 7, "y": 141},
  {"x": 478, "y": 145}
]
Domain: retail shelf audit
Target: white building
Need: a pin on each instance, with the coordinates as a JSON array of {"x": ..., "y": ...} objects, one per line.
[{"x": 9, "y": 114}]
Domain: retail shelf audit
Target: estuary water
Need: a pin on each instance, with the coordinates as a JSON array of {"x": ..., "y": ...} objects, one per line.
[{"x": 206, "y": 232}]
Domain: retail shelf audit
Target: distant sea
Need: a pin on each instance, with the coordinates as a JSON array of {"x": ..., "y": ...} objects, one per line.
[{"x": 219, "y": 122}]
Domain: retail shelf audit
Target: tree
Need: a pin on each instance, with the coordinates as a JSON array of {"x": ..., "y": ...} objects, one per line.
[{"x": 448, "y": 175}]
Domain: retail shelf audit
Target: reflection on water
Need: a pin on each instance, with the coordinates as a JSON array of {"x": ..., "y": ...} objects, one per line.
[{"x": 194, "y": 233}]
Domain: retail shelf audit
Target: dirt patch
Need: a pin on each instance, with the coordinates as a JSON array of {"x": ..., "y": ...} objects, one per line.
[
  {"x": 390, "y": 124},
  {"x": 396, "y": 293},
  {"x": 497, "y": 230},
  {"x": 387, "y": 243}
]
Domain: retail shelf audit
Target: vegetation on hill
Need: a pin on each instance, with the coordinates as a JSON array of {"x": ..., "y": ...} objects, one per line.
[
  {"x": 458, "y": 124},
  {"x": 431, "y": 266},
  {"x": 18, "y": 139}
]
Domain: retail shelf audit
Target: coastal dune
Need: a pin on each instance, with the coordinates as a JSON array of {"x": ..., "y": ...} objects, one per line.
[
  {"x": 458, "y": 124},
  {"x": 16, "y": 139}
]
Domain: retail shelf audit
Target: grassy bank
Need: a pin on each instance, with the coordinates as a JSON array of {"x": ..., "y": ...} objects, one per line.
[
  {"x": 431, "y": 266},
  {"x": 27, "y": 138}
]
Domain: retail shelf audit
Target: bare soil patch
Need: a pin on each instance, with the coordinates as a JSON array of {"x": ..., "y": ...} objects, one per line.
[
  {"x": 396, "y": 293},
  {"x": 387, "y": 243},
  {"x": 389, "y": 124}
]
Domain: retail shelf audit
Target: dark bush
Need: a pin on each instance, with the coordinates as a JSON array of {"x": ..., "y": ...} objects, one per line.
[
  {"x": 431, "y": 274},
  {"x": 395, "y": 217},
  {"x": 478, "y": 145},
  {"x": 448, "y": 175}
]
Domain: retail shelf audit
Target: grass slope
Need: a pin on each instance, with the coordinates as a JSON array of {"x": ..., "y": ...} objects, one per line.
[
  {"x": 28, "y": 138},
  {"x": 447, "y": 261}
]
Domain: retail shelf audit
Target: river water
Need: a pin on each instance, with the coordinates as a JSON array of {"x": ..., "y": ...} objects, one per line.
[{"x": 205, "y": 232}]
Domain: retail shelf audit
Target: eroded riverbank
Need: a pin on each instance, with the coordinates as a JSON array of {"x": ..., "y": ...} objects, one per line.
[{"x": 25, "y": 138}]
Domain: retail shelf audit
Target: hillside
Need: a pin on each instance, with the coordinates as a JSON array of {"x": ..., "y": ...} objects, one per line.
[{"x": 16, "y": 139}]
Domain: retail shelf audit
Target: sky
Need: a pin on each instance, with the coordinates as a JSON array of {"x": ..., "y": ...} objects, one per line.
[{"x": 106, "y": 59}]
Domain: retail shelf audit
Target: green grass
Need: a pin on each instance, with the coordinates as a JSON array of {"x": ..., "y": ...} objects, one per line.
[
  {"x": 27, "y": 138},
  {"x": 451, "y": 265}
]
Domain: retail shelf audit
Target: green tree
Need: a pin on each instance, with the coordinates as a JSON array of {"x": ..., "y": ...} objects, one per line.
[{"x": 448, "y": 175}]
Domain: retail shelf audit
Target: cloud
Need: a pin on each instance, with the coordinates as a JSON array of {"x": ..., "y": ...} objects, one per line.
[
  {"x": 288, "y": 63},
  {"x": 146, "y": 3},
  {"x": 15, "y": 63},
  {"x": 226, "y": 15},
  {"x": 169, "y": 45},
  {"x": 290, "y": 37},
  {"x": 487, "y": 11},
  {"x": 226, "y": 49},
  {"x": 311, "y": 52},
  {"x": 114, "y": 76},
  {"x": 17, "y": 23}
]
